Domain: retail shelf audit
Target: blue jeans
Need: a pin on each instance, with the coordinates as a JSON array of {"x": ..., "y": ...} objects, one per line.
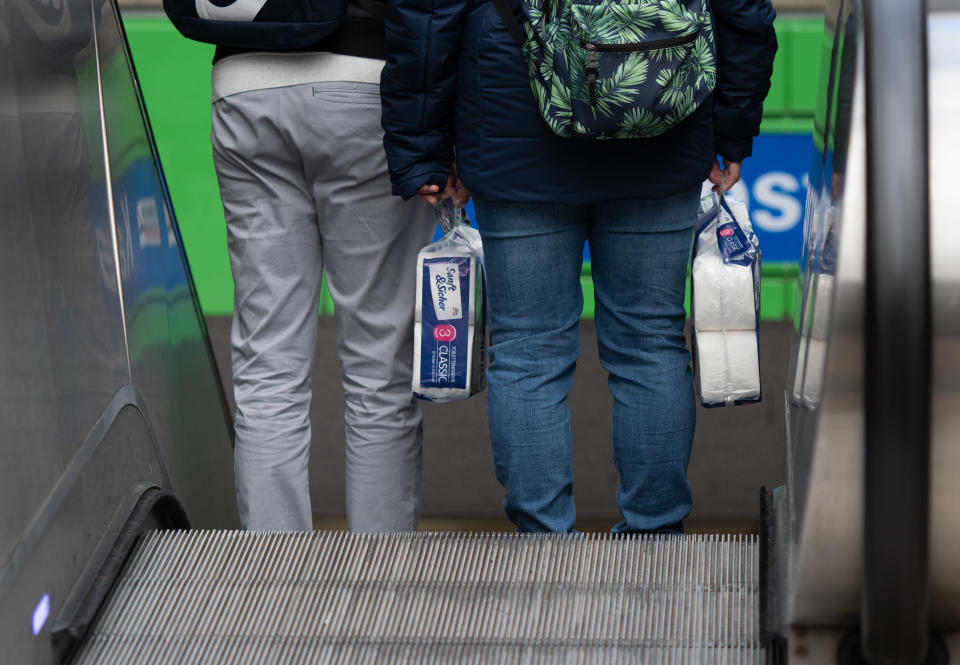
[{"x": 639, "y": 252}]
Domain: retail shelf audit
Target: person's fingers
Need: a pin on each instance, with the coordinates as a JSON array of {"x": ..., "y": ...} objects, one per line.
[
  {"x": 448, "y": 192},
  {"x": 716, "y": 174},
  {"x": 428, "y": 193},
  {"x": 732, "y": 172},
  {"x": 464, "y": 194},
  {"x": 461, "y": 198}
]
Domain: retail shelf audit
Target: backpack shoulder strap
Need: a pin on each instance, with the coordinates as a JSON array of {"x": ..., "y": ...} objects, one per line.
[{"x": 510, "y": 21}]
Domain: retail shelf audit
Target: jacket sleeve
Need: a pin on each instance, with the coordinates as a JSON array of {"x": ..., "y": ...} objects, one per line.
[
  {"x": 417, "y": 89},
  {"x": 746, "y": 44}
]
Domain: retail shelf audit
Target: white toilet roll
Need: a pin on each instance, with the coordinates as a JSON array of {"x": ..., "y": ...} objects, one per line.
[
  {"x": 816, "y": 369},
  {"x": 822, "y": 301},
  {"x": 811, "y": 368},
  {"x": 729, "y": 366},
  {"x": 723, "y": 297},
  {"x": 797, "y": 390}
]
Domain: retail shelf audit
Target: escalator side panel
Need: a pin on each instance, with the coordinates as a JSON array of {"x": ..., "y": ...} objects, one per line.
[
  {"x": 69, "y": 534},
  {"x": 944, "y": 110},
  {"x": 98, "y": 317},
  {"x": 825, "y": 393},
  {"x": 170, "y": 361}
]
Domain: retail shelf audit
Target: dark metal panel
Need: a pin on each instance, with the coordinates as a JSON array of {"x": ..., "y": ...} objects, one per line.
[
  {"x": 96, "y": 306},
  {"x": 894, "y": 619},
  {"x": 113, "y": 461},
  {"x": 170, "y": 362},
  {"x": 61, "y": 335}
]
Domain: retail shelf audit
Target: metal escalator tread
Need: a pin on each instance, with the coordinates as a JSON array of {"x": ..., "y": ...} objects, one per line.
[{"x": 336, "y": 597}]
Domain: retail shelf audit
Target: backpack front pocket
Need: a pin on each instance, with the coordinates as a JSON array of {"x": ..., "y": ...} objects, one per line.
[{"x": 625, "y": 70}]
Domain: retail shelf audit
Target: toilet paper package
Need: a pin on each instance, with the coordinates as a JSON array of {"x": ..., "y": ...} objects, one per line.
[
  {"x": 728, "y": 368},
  {"x": 725, "y": 285},
  {"x": 450, "y": 323},
  {"x": 723, "y": 293}
]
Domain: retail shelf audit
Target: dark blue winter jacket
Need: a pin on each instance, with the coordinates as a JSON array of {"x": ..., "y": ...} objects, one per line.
[{"x": 455, "y": 79}]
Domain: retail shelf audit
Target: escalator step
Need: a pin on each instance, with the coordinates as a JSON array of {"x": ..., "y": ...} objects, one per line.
[{"x": 336, "y": 597}]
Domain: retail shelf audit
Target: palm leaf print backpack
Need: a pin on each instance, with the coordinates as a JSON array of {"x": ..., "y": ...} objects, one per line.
[{"x": 615, "y": 69}]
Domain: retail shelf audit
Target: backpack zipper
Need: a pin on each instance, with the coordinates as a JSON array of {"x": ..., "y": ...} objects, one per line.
[
  {"x": 639, "y": 47},
  {"x": 593, "y": 68},
  {"x": 592, "y": 71}
]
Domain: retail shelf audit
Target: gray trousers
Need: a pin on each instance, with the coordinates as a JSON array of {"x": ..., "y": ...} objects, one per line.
[{"x": 303, "y": 178}]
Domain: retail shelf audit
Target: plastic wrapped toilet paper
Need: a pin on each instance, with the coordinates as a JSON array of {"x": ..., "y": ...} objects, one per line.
[
  {"x": 450, "y": 320},
  {"x": 723, "y": 297},
  {"x": 822, "y": 301},
  {"x": 729, "y": 366},
  {"x": 725, "y": 277},
  {"x": 739, "y": 210}
]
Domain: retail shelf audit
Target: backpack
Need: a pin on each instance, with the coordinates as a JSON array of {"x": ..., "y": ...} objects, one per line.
[
  {"x": 607, "y": 69},
  {"x": 257, "y": 24}
]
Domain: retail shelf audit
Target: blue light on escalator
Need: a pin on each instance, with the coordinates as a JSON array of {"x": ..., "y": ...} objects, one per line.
[{"x": 40, "y": 614}]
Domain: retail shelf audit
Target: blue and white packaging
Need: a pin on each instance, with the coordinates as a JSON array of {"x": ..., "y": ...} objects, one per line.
[
  {"x": 725, "y": 303},
  {"x": 450, "y": 326}
]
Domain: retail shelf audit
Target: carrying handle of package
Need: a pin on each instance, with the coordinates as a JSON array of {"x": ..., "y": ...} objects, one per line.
[{"x": 447, "y": 214}]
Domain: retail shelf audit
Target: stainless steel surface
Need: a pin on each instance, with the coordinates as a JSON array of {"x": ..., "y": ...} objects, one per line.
[
  {"x": 108, "y": 185},
  {"x": 825, "y": 403},
  {"x": 944, "y": 112},
  {"x": 89, "y": 260},
  {"x": 335, "y": 597},
  {"x": 170, "y": 360},
  {"x": 61, "y": 334}
]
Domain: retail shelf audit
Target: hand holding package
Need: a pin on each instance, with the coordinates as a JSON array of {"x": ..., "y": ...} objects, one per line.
[{"x": 450, "y": 320}]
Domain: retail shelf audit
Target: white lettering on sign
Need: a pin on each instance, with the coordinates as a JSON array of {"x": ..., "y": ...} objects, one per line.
[{"x": 778, "y": 192}]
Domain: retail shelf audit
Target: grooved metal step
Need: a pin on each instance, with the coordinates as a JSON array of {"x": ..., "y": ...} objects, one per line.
[{"x": 335, "y": 597}]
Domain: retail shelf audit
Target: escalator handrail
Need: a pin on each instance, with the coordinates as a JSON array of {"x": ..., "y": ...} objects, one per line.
[{"x": 895, "y": 597}]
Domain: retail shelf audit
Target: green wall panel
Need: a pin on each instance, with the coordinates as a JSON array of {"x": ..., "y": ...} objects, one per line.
[
  {"x": 777, "y": 102},
  {"x": 174, "y": 74},
  {"x": 804, "y": 66},
  {"x": 796, "y": 70}
]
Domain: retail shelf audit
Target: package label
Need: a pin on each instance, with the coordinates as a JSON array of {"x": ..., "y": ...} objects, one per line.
[
  {"x": 445, "y": 336},
  {"x": 733, "y": 243},
  {"x": 445, "y": 290}
]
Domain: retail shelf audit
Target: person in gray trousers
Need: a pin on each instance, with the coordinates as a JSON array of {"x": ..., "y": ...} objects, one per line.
[{"x": 298, "y": 151}]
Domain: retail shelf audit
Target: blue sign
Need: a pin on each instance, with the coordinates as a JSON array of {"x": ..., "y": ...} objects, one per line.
[{"x": 773, "y": 185}]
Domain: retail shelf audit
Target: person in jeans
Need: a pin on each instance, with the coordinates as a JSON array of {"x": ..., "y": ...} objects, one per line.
[
  {"x": 455, "y": 79},
  {"x": 298, "y": 150}
]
